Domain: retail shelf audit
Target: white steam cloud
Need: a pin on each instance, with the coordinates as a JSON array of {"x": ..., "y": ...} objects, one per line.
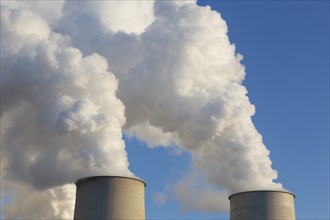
[{"x": 76, "y": 75}]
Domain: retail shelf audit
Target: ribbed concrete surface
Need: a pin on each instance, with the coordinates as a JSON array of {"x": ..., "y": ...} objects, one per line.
[
  {"x": 110, "y": 197},
  {"x": 266, "y": 205}
]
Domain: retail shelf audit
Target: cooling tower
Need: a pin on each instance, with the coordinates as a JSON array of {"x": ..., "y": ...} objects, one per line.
[
  {"x": 110, "y": 197},
  {"x": 266, "y": 205}
]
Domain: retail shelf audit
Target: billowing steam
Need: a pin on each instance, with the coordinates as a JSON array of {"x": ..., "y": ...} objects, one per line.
[{"x": 76, "y": 75}]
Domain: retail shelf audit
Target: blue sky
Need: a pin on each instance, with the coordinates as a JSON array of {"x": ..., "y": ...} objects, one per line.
[{"x": 285, "y": 45}]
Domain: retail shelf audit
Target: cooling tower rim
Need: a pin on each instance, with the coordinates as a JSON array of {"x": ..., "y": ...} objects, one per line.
[
  {"x": 95, "y": 177},
  {"x": 252, "y": 191}
]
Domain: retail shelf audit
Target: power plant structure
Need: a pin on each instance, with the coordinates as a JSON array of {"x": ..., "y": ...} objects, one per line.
[
  {"x": 122, "y": 198},
  {"x": 262, "y": 204},
  {"x": 110, "y": 197}
]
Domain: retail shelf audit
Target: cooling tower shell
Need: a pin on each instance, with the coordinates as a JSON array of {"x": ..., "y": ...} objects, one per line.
[
  {"x": 110, "y": 197},
  {"x": 262, "y": 204}
]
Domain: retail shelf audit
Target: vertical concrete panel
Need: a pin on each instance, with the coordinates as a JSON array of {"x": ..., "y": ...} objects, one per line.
[
  {"x": 110, "y": 197},
  {"x": 266, "y": 205}
]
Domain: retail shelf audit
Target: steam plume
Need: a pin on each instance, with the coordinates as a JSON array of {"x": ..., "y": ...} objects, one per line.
[{"x": 178, "y": 80}]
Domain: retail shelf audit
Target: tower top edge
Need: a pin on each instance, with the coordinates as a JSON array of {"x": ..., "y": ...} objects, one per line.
[
  {"x": 263, "y": 191},
  {"x": 110, "y": 177}
]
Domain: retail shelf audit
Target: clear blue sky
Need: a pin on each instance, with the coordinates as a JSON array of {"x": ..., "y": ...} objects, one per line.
[{"x": 285, "y": 45}]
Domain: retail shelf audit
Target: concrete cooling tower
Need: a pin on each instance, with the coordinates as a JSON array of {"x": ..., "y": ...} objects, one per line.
[
  {"x": 266, "y": 205},
  {"x": 110, "y": 197}
]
